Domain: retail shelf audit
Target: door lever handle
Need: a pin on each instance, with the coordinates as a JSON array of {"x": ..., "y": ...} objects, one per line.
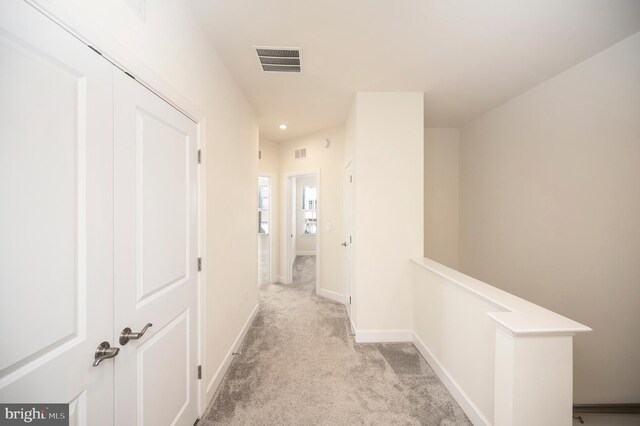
[
  {"x": 104, "y": 351},
  {"x": 127, "y": 335},
  {"x": 344, "y": 244}
]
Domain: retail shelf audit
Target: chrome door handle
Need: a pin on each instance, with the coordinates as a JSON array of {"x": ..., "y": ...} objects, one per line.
[
  {"x": 104, "y": 351},
  {"x": 127, "y": 335}
]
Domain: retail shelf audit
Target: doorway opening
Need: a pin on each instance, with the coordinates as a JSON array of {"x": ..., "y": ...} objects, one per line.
[
  {"x": 265, "y": 240},
  {"x": 302, "y": 228}
]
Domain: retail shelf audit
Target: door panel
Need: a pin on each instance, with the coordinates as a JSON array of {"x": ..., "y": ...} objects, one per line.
[
  {"x": 29, "y": 75},
  {"x": 56, "y": 197},
  {"x": 169, "y": 346},
  {"x": 78, "y": 410},
  {"x": 163, "y": 222},
  {"x": 155, "y": 257}
]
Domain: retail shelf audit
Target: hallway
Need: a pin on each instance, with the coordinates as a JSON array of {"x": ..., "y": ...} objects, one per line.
[{"x": 300, "y": 366}]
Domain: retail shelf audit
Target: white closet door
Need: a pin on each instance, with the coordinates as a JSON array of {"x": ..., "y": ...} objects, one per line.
[
  {"x": 155, "y": 258},
  {"x": 56, "y": 204}
]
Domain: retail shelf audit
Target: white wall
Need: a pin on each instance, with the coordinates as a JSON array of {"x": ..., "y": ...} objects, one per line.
[
  {"x": 270, "y": 157},
  {"x": 172, "y": 46},
  {"x": 388, "y": 215},
  {"x": 452, "y": 324},
  {"x": 505, "y": 360},
  {"x": 330, "y": 162},
  {"x": 441, "y": 193},
  {"x": 305, "y": 244},
  {"x": 550, "y": 210}
]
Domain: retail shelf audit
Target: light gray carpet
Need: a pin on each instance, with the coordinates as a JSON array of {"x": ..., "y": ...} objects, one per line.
[{"x": 300, "y": 366}]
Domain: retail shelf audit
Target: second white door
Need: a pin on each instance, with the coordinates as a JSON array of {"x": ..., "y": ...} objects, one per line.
[{"x": 155, "y": 264}]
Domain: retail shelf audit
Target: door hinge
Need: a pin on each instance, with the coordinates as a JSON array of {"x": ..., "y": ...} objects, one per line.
[
  {"x": 350, "y": 178},
  {"x": 349, "y": 299},
  {"x": 199, "y": 372},
  {"x": 199, "y": 264},
  {"x": 199, "y": 156}
]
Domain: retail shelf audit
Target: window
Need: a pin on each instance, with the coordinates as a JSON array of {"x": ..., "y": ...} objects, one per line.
[
  {"x": 309, "y": 210},
  {"x": 263, "y": 205}
]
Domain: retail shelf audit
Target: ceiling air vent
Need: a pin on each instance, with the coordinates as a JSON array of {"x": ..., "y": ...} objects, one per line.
[
  {"x": 280, "y": 59},
  {"x": 301, "y": 153}
]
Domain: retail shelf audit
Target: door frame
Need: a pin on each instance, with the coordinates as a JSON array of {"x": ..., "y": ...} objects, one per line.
[
  {"x": 287, "y": 222},
  {"x": 348, "y": 296},
  {"x": 272, "y": 234},
  {"x": 100, "y": 40}
]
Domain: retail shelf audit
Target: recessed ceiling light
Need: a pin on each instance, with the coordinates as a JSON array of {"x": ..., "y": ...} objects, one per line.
[{"x": 283, "y": 127}]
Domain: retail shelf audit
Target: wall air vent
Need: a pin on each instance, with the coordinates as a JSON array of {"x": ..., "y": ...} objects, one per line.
[
  {"x": 280, "y": 59},
  {"x": 301, "y": 153}
]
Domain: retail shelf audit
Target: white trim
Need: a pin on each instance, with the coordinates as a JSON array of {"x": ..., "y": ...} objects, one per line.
[
  {"x": 337, "y": 297},
  {"x": 521, "y": 317},
  {"x": 279, "y": 279},
  {"x": 349, "y": 293},
  {"x": 215, "y": 381},
  {"x": 449, "y": 382},
  {"x": 383, "y": 336},
  {"x": 305, "y": 253},
  {"x": 202, "y": 275},
  {"x": 285, "y": 227}
]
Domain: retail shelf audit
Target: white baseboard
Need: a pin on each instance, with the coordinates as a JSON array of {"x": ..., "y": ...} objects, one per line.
[
  {"x": 213, "y": 385},
  {"x": 383, "y": 336},
  {"x": 279, "y": 279},
  {"x": 337, "y": 297},
  {"x": 306, "y": 253},
  {"x": 469, "y": 408}
]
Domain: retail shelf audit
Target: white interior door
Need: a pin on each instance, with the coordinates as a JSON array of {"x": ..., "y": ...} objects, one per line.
[
  {"x": 56, "y": 204},
  {"x": 292, "y": 227},
  {"x": 155, "y": 272},
  {"x": 348, "y": 234}
]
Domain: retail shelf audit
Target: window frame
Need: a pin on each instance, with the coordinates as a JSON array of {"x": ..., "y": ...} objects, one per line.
[{"x": 313, "y": 210}]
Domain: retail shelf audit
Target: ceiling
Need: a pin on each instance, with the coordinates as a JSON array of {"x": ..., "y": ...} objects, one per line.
[{"x": 467, "y": 56}]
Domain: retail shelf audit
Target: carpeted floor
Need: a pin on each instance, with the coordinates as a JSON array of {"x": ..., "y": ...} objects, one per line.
[{"x": 300, "y": 366}]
